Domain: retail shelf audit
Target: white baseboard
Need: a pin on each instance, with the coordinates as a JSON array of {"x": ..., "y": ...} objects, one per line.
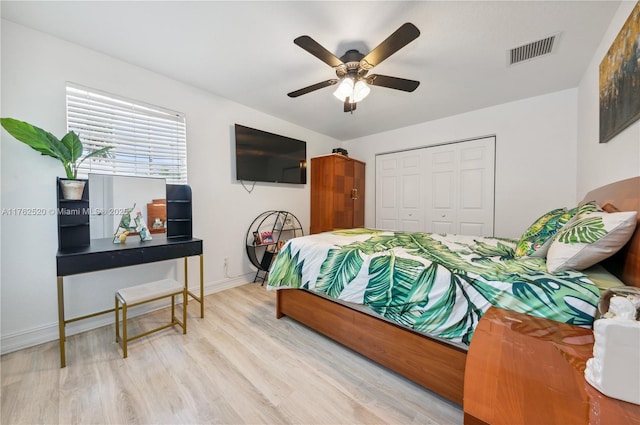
[{"x": 31, "y": 337}]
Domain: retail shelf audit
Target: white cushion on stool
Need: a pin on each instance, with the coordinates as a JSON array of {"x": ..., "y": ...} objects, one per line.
[{"x": 147, "y": 291}]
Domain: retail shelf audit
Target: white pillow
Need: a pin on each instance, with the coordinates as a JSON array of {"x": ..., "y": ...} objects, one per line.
[{"x": 590, "y": 239}]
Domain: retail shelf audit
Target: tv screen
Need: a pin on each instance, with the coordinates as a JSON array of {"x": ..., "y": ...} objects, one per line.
[{"x": 268, "y": 157}]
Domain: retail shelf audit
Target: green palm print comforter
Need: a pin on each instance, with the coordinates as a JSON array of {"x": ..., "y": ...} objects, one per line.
[{"x": 436, "y": 284}]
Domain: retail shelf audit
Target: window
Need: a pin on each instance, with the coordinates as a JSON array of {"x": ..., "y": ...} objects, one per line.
[{"x": 148, "y": 141}]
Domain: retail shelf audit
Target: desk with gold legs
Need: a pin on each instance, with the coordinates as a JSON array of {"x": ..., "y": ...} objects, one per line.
[{"x": 103, "y": 254}]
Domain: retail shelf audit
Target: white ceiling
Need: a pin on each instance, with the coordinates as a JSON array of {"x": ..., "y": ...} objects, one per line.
[{"x": 244, "y": 51}]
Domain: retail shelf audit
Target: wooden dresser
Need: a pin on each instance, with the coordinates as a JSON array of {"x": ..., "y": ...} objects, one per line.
[
  {"x": 337, "y": 193},
  {"x": 527, "y": 370}
]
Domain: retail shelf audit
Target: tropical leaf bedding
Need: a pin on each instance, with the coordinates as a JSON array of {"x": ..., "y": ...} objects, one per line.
[{"x": 435, "y": 284}]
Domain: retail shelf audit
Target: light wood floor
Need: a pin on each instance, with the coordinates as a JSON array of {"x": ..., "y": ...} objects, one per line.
[{"x": 237, "y": 365}]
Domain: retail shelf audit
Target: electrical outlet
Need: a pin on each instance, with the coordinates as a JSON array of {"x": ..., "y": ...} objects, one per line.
[{"x": 225, "y": 266}]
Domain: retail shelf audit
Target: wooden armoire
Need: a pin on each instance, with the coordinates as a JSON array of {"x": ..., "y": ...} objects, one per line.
[{"x": 337, "y": 193}]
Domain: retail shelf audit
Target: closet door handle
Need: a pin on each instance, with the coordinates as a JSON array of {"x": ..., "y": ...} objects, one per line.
[{"x": 354, "y": 194}]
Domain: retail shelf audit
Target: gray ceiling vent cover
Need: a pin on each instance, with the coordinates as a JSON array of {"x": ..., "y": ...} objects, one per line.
[{"x": 532, "y": 50}]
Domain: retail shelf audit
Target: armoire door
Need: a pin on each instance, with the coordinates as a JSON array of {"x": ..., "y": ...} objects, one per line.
[
  {"x": 344, "y": 179},
  {"x": 337, "y": 193},
  {"x": 322, "y": 172},
  {"x": 358, "y": 194}
]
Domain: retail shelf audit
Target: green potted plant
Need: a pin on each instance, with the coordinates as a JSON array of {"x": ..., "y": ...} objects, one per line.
[{"x": 67, "y": 150}]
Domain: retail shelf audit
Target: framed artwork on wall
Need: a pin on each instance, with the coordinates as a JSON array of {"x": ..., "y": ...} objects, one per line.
[{"x": 620, "y": 80}]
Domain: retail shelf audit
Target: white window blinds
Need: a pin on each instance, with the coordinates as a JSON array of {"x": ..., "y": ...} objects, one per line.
[{"x": 147, "y": 141}]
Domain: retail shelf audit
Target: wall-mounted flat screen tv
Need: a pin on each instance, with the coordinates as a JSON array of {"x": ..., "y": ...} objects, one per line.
[{"x": 268, "y": 157}]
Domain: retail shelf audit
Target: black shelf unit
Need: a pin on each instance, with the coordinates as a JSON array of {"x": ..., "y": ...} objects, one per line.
[
  {"x": 283, "y": 226},
  {"x": 73, "y": 216},
  {"x": 73, "y": 219},
  {"x": 179, "y": 211}
]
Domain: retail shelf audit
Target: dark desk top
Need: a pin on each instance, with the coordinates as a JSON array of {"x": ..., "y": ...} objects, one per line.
[{"x": 103, "y": 254}]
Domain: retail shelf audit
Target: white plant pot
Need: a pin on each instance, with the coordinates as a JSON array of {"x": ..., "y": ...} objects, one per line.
[{"x": 72, "y": 189}]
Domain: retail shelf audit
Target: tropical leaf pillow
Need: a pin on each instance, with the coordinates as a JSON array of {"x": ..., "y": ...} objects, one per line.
[
  {"x": 589, "y": 239},
  {"x": 535, "y": 241},
  {"x": 585, "y": 208}
]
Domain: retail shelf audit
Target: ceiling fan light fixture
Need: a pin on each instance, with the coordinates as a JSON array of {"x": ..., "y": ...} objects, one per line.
[
  {"x": 355, "y": 92},
  {"x": 360, "y": 91},
  {"x": 344, "y": 90}
]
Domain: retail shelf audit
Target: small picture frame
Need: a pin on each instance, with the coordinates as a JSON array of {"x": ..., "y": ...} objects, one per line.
[
  {"x": 256, "y": 238},
  {"x": 266, "y": 238}
]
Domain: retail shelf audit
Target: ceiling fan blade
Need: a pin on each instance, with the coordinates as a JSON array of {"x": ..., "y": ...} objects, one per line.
[
  {"x": 313, "y": 47},
  {"x": 392, "y": 82},
  {"x": 396, "y": 41},
  {"x": 312, "y": 87},
  {"x": 348, "y": 106}
]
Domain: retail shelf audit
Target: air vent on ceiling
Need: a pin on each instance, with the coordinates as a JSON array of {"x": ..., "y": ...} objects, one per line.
[{"x": 532, "y": 50}]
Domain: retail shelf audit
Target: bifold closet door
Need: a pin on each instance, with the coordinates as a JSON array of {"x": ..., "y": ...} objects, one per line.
[
  {"x": 441, "y": 189},
  {"x": 399, "y": 188},
  {"x": 459, "y": 188}
]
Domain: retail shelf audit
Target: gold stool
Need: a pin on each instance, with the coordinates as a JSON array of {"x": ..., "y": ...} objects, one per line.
[{"x": 147, "y": 292}]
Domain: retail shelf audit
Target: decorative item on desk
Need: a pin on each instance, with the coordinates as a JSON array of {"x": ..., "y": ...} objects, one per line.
[
  {"x": 130, "y": 222},
  {"x": 157, "y": 214},
  {"x": 615, "y": 366},
  {"x": 266, "y": 238},
  {"x": 67, "y": 150},
  {"x": 121, "y": 235}
]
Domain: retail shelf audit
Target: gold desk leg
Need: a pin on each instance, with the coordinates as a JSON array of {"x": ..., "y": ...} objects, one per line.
[
  {"x": 186, "y": 279},
  {"x": 63, "y": 360},
  {"x": 202, "y": 285},
  {"x": 200, "y": 297}
]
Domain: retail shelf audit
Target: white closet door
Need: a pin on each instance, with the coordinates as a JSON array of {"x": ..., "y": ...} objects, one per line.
[
  {"x": 399, "y": 181},
  {"x": 441, "y": 182},
  {"x": 460, "y": 188},
  {"x": 412, "y": 205},
  {"x": 440, "y": 189},
  {"x": 476, "y": 186},
  {"x": 387, "y": 197}
]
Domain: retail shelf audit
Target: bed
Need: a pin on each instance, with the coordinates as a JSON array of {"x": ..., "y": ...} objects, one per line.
[{"x": 426, "y": 341}]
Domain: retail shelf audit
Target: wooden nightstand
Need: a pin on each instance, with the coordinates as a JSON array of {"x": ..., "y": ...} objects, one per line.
[{"x": 527, "y": 370}]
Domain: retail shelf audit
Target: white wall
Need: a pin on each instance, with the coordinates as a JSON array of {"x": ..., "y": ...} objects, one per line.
[
  {"x": 600, "y": 164},
  {"x": 547, "y": 155},
  {"x": 536, "y": 143},
  {"x": 34, "y": 70}
]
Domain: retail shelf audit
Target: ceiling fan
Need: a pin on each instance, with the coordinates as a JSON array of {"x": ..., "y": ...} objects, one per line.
[{"x": 352, "y": 68}]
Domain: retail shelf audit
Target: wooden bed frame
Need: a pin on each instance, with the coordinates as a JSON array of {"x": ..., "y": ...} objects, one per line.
[{"x": 432, "y": 363}]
